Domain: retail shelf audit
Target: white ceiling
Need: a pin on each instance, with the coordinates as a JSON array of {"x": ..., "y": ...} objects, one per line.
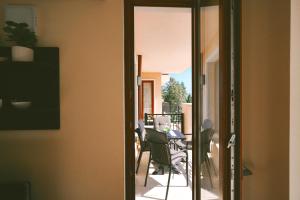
[{"x": 163, "y": 38}]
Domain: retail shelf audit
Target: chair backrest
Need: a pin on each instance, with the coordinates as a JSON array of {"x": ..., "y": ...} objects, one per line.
[
  {"x": 208, "y": 132},
  {"x": 206, "y": 137},
  {"x": 159, "y": 146},
  {"x": 142, "y": 133},
  {"x": 207, "y": 124},
  {"x": 162, "y": 122}
]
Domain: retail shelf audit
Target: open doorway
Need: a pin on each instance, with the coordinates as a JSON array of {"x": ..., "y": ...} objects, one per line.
[
  {"x": 163, "y": 51},
  {"x": 214, "y": 175}
]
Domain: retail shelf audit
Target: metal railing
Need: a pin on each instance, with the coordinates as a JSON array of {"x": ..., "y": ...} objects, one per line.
[
  {"x": 171, "y": 108},
  {"x": 177, "y": 120}
]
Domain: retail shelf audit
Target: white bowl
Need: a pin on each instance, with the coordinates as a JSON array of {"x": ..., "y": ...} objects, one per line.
[{"x": 21, "y": 104}]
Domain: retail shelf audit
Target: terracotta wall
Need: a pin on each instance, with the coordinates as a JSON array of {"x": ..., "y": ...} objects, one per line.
[
  {"x": 266, "y": 81},
  {"x": 85, "y": 158},
  {"x": 295, "y": 102}
]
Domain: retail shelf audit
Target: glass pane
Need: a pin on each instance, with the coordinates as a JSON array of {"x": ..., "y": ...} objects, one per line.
[
  {"x": 147, "y": 92},
  {"x": 210, "y": 106}
]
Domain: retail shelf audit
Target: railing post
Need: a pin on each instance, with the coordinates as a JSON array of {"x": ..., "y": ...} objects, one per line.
[{"x": 146, "y": 118}]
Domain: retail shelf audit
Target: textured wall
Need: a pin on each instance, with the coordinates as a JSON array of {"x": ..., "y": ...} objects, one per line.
[
  {"x": 85, "y": 159},
  {"x": 265, "y": 58}
]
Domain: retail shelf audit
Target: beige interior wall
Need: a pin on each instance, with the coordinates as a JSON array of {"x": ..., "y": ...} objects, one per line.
[
  {"x": 265, "y": 109},
  {"x": 211, "y": 97},
  {"x": 156, "y": 77},
  {"x": 85, "y": 158},
  {"x": 210, "y": 53},
  {"x": 295, "y": 102}
]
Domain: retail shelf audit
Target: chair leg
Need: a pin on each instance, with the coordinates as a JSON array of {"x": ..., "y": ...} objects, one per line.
[
  {"x": 187, "y": 168},
  {"x": 139, "y": 161},
  {"x": 213, "y": 166},
  {"x": 170, "y": 170},
  {"x": 208, "y": 171},
  {"x": 147, "y": 170},
  {"x": 207, "y": 161}
]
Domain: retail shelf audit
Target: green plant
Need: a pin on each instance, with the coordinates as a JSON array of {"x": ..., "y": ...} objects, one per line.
[
  {"x": 20, "y": 34},
  {"x": 188, "y": 98},
  {"x": 174, "y": 92}
]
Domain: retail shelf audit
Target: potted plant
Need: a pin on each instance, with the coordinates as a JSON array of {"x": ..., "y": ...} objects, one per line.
[{"x": 23, "y": 40}]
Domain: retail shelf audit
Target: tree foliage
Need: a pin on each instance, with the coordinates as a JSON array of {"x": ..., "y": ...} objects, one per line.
[
  {"x": 189, "y": 98},
  {"x": 174, "y": 92}
]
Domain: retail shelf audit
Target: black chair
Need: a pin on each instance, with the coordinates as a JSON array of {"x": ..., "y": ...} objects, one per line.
[
  {"x": 206, "y": 137},
  {"x": 207, "y": 124},
  {"x": 187, "y": 144},
  {"x": 144, "y": 145},
  {"x": 161, "y": 154}
]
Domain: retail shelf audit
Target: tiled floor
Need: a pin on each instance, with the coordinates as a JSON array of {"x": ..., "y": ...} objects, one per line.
[{"x": 156, "y": 185}]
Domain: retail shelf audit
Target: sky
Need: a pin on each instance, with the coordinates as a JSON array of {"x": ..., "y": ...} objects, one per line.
[{"x": 185, "y": 77}]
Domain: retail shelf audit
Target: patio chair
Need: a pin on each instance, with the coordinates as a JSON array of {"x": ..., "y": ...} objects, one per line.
[
  {"x": 206, "y": 137},
  {"x": 161, "y": 153},
  {"x": 162, "y": 122},
  {"x": 187, "y": 144},
  {"x": 207, "y": 124},
  {"x": 141, "y": 131}
]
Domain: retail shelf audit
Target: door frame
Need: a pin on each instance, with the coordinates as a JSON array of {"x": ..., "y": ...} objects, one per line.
[
  {"x": 152, "y": 95},
  {"x": 225, "y": 90}
]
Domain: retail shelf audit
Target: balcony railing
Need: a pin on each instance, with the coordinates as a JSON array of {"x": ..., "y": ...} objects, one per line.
[{"x": 177, "y": 120}]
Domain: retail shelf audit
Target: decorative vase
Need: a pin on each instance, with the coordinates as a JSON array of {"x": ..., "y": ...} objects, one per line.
[{"x": 22, "y": 54}]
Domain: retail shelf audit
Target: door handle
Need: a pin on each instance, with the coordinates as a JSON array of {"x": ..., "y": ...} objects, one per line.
[{"x": 231, "y": 142}]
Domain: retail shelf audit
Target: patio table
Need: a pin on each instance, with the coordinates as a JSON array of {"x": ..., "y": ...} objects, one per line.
[{"x": 175, "y": 135}]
